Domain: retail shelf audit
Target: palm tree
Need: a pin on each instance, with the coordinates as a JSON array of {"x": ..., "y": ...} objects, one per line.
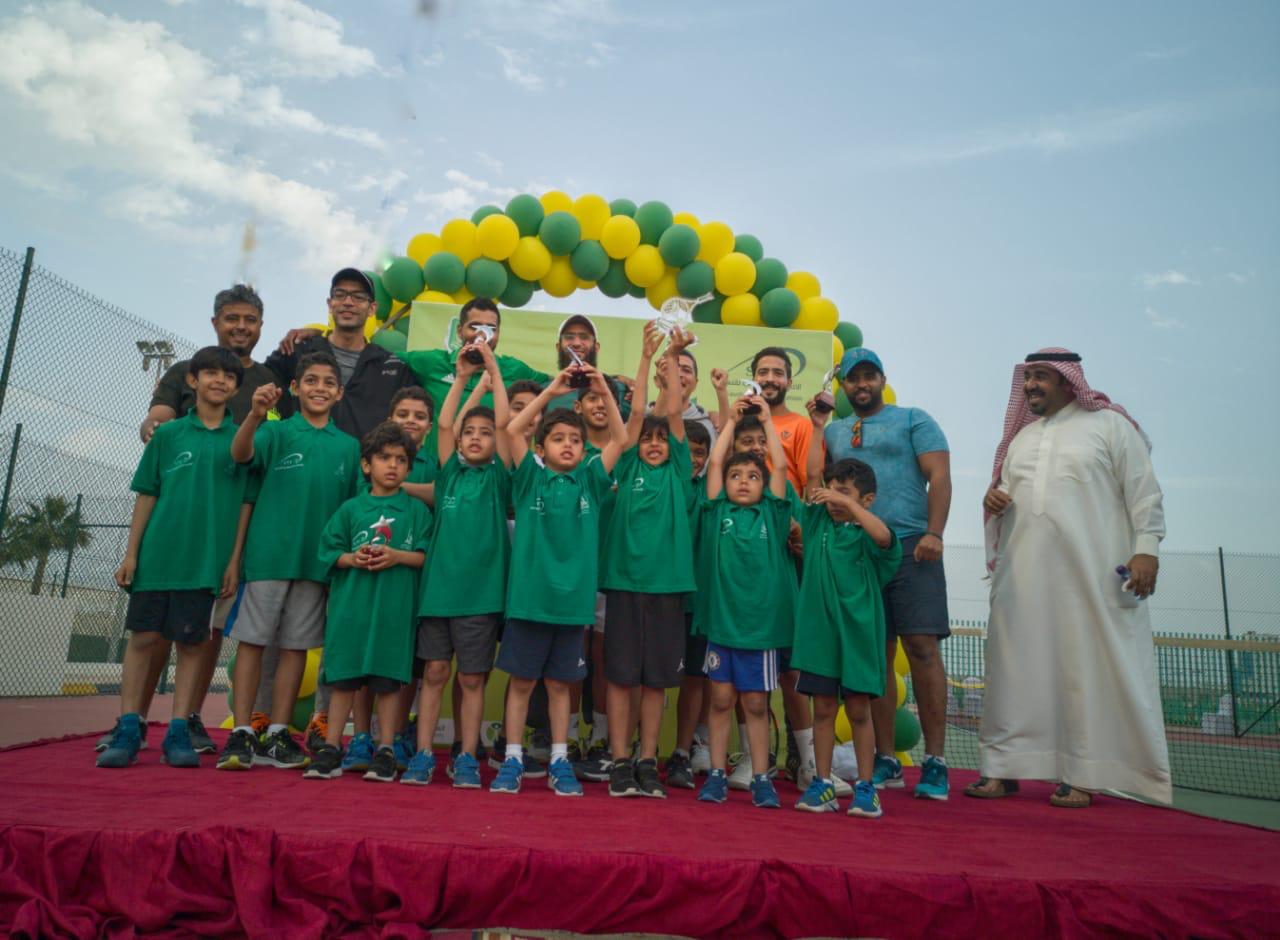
[{"x": 42, "y": 529}]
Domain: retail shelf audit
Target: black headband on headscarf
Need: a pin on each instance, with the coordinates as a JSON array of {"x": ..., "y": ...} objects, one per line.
[{"x": 1053, "y": 357}]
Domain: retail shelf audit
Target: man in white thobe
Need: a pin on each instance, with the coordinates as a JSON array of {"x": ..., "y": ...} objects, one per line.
[{"x": 1074, "y": 524}]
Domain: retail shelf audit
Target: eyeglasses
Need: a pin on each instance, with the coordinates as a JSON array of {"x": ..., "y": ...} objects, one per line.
[
  {"x": 855, "y": 439},
  {"x": 358, "y": 296}
]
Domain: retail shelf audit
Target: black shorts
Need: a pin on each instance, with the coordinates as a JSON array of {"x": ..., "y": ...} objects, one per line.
[
  {"x": 378, "y": 685},
  {"x": 644, "y": 639},
  {"x": 915, "y": 599},
  {"x": 811, "y": 684},
  {"x": 695, "y": 650},
  {"x": 179, "y": 616}
]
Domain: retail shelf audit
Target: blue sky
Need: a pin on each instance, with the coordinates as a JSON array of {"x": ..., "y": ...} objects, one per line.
[{"x": 969, "y": 183}]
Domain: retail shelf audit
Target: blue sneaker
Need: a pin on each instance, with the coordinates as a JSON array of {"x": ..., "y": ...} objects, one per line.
[
  {"x": 359, "y": 752},
  {"x": 886, "y": 774},
  {"x": 419, "y": 768},
  {"x": 716, "y": 787},
  {"x": 934, "y": 784},
  {"x": 404, "y": 748},
  {"x": 126, "y": 740},
  {"x": 866, "y": 801},
  {"x": 763, "y": 794},
  {"x": 819, "y": 797},
  {"x": 561, "y": 778},
  {"x": 466, "y": 772},
  {"x": 508, "y": 779},
  {"x": 176, "y": 749}
]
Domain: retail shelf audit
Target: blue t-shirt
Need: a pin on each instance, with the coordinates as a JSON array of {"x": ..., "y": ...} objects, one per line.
[{"x": 892, "y": 439}]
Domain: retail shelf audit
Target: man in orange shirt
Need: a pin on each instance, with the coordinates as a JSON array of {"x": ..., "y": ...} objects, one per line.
[{"x": 771, "y": 370}]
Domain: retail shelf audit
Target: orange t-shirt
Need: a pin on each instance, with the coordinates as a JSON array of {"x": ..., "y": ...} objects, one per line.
[{"x": 796, "y": 431}]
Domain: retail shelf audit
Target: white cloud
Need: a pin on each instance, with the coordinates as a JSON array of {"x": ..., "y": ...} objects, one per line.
[
  {"x": 384, "y": 183},
  {"x": 555, "y": 20},
  {"x": 1168, "y": 278},
  {"x": 1163, "y": 323},
  {"x": 601, "y": 54},
  {"x": 265, "y": 107},
  {"x": 310, "y": 41},
  {"x": 491, "y": 163},
  {"x": 516, "y": 70},
  {"x": 1238, "y": 277},
  {"x": 462, "y": 198}
]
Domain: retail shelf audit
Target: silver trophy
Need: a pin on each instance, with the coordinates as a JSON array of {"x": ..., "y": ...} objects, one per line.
[
  {"x": 486, "y": 334},
  {"x": 753, "y": 388},
  {"x": 825, "y": 401},
  {"x": 677, "y": 313},
  {"x": 578, "y": 378}
]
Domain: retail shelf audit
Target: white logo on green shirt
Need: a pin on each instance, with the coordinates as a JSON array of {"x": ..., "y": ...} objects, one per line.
[
  {"x": 290, "y": 462},
  {"x": 184, "y": 459}
]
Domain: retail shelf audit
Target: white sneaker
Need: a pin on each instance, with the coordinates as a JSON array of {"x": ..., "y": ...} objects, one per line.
[
  {"x": 740, "y": 777},
  {"x": 842, "y": 787},
  {"x": 700, "y": 759}
]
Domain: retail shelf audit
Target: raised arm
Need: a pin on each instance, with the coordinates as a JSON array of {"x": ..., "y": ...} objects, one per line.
[
  {"x": 648, "y": 349},
  {"x": 617, "y": 430},
  {"x": 446, "y": 438},
  {"x": 777, "y": 456},
  {"x": 264, "y": 399},
  {"x": 720, "y": 382},
  {"x": 817, "y": 447},
  {"x": 516, "y": 427},
  {"x": 719, "y": 454},
  {"x": 669, "y": 400}
]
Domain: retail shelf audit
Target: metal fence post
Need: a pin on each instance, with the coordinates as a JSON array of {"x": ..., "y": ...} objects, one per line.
[
  {"x": 71, "y": 544},
  {"x": 8, "y": 477},
  {"x": 1230, "y": 655},
  {"x": 13, "y": 325}
]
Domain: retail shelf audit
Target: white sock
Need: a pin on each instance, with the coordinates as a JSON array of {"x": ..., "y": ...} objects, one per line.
[
  {"x": 573, "y": 727},
  {"x": 744, "y": 741},
  {"x": 681, "y": 751},
  {"x": 701, "y": 734},
  {"x": 599, "y": 727},
  {"x": 516, "y": 751},
  {"x": 559, "y": 752},
  {"x": 248, "y": 728},
  {"x": 273, "y": 728},
  {"x": 804, "y": 744},
  {"x": 940, "y": 760}
]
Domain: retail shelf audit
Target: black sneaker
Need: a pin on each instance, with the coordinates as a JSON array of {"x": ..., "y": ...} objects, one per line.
[
  {"x": 497, "y": 753},
  {"x": 201, "y": 743},
  {"x": 679, "y": 772},
  {"x": 595, "y": 766},
  {"x": 575, "y": 752},
  {"x": 326, "y": 764},
  {"x": 792, "y": 770},
  {"x": 281, "y": 750},
  {"x": 239, "y": 752},
  {"x": 648, "y": 780},
  {"x": 622, "y": 779},
  {"x": 382, "y": 769}
]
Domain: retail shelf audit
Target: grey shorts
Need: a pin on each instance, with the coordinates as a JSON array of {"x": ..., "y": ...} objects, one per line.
[
  {"x": 287, "y": 614},
  {"x": 473, "y": 639},
  {"x": 915, "y": 599}
]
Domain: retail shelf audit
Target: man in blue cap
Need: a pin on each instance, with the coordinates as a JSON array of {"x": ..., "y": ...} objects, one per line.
[{"x": 909, "y": 454}]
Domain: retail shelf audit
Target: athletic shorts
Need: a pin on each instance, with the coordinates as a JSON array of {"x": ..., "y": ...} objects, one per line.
[
  {"x": 474, "y": 639},
  {"x": 178, "y": 616},
  {"x": 644, "y": 639},
  {"x": 695, "y": 650},
  {"x": 915, "y": 599},
  {"x": 811, "y": 684},
  {"x": 225, "y": 610},
  {"x": 745, "y": 670},
  {"x": 378, "y": 685},
  {"x": 601, "y": 609},
  {"x": 532, "y": 650},
  {"x": 287, "y": 614},
  {"x": 784, "y": 659}
]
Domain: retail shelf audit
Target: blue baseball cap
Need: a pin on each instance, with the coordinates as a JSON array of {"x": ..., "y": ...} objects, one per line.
[{"x": 852, "y": 358}]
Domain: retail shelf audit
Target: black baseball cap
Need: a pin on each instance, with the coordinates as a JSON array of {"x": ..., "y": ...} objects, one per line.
[{"x": 353, "y": 274}]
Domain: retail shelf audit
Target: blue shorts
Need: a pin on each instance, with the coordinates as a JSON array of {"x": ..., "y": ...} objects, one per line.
[
  {"x": 532, "y": 650},
  {"x": 745, "y": 670}
]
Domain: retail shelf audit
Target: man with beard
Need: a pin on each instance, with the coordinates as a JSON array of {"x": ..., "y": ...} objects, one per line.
[
  {"x": 578, "y": 337},
  {"x": 1074, "y": 522},
  {"x": 909, "y": 454}
]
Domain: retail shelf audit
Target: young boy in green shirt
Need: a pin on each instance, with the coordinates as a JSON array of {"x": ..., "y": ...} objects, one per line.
[
  {"x": 308, "y": 469},
  {"x": 747, "y": 608},
  {"x": 374, "y": 544},
  {"x": 551, "y": 592},
  {"x": 184, "y": 549},
  {"x": 465, "y": 582}
]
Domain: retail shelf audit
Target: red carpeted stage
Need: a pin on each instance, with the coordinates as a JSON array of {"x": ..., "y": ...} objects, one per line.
[{"x": 87, "y": 852}]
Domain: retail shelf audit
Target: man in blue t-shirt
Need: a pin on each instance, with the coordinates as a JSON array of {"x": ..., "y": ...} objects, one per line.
[{"x": 909, "y": 454}]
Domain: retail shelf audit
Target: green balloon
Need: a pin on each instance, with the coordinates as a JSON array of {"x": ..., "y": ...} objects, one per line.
[
  {"x": 486, "y": 278},
  {"x": 779, "y": 307},
  {"x": 527, "y": 212},
  {"x": 849, "y": 335},
  {"x": 709, "y": 312},
  {"x": 906, "y": 730},
  {"x": 445, "y": 272},
  {"x": 484, "y": 212},
  {"x": 844, "y": 407},
  {"x": 770, "y": 273},
  {"x": 518, "y": 292},
  {"x": 623, "y": 207},
  {"x": 403, "y": 279},
  {"x": 560, "y": 232},
  {"x": 750, "y": 246},
  {"x": 679, "y": 245},
  {"x": 381, "y": 296},
  {"x": 391, "y": 340},
  {"x": 589, "y": 261},
  {"x": 613, "y": 283},
  {"x": 654, "y": 218},
  {"x": 695, "y": 279},
  {"x": 635, "y": 290}
]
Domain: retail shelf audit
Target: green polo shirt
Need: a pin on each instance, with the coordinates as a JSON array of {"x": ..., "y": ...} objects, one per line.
[
  {"x": 554, "y": 559},
  {"x": 307, "y": 473},
  {"x": 648, "y": 548},
  {"x": 840, "y": 624},
  {"x": 198, "y": 488},
  {"x": 371, "y": 619},
  {"x": 466, "y": 572},
  {"x": 749, "y": 581}
]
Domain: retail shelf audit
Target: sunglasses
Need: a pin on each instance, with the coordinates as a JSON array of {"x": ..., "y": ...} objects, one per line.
[{"x": 855, "y": 438}]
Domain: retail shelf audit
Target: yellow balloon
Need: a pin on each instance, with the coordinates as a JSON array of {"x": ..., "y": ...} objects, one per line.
[
  {"x": 423, "y": 245},
  {"x": 889, "y": 395},
  {"x": 741, "y": 310},
  {"x": 560, "y": 281},
  {"x": 462, "y": 295},
  {"x": 816, "y": 313},
  {"x": 586, "y": 285},
  {"x": 905, "y": 759},
  {"x": 664, "y": 290},
  {"x": 804, "y": 284},
  {"x": 844, "y": 733},
  {"x": 620, "y": 236},
  {"x": 900, "y": 664},
  {"x": 459, "y": 236},
  {"x": 687, "y": 218},
  {"x": 497, "y": 236},
  {"x": 592, "y": 212},
  {"x": 310, "y": 672},
  {"x": 429, "y": 296},
  {"x": 530, "y": 260},
  {"x": 901, "y": 688},
  {"x": 371, "y": 325},
  {"x": 556, "y": 201},
  {"x": 645, "y": 266},
  {"x": 716, "y": 241},
  {"x": 735, "y": 273},
  {"x": 837, "y": 350}
]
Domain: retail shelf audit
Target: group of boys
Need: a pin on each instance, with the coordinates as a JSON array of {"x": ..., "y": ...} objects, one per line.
[{"x": 723, "y": 561}]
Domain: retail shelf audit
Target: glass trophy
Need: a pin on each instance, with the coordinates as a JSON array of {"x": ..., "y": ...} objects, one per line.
[
  {"x": 578, "y": 378},
  {"x": 677, "y": 313}
]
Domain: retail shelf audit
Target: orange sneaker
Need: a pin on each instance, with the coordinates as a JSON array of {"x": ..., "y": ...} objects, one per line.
[
  {"x": 260, "y": 722},
  {"x": 316, "y": 732}
]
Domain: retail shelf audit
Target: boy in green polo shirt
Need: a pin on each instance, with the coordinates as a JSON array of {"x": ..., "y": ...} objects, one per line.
[
  {"x": 551, "y": 591},
  {"x": 374, "y": 545},
  {"x": 748, "y": 606},
  {"x": 308, "y": 469},
  {"x": 183, "y": 549}
]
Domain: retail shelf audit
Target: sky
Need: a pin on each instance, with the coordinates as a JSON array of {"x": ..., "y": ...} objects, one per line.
[{"x": 969, "y": 182}]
